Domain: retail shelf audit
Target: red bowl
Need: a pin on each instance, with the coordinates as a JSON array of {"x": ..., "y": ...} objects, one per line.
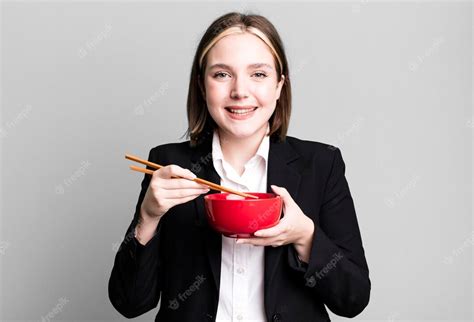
[{"x": 243, "y": 216}]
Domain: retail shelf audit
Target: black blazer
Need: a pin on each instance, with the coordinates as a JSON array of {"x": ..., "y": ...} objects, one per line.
[{"x": 181, "y": 263}]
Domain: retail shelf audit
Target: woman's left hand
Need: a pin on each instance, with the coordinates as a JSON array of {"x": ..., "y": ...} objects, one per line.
[{"x": 294, "y": 228}]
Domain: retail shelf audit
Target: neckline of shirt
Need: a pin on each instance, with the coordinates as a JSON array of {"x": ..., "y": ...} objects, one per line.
[{"x": 262, "y": 150}]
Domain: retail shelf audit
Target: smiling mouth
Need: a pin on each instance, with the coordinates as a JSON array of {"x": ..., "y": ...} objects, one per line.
[{"x": 241, "y": 111}]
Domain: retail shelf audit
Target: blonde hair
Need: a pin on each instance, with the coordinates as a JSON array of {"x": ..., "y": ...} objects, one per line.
[{"x": 240, "y": 30}]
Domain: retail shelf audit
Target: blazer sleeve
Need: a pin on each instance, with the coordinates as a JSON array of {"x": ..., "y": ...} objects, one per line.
[
  {"x": 134, "y": 284},
  {"x": 337, "y": 271}
]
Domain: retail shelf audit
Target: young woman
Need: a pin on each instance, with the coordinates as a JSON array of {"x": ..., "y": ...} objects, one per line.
[{"x": 238, "y": 108}]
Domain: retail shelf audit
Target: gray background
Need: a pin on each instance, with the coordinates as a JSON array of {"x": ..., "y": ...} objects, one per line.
[{"x": 85, "y": 83}]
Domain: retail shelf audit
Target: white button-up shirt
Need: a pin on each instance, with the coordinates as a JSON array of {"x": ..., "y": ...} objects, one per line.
[{"x": 242, "y": 266}]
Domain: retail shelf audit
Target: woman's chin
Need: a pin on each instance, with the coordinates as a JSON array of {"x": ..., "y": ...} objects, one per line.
[{"x": 241, "y": 134}]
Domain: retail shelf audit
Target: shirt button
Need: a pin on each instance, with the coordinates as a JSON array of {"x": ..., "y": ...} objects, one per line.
[
  {"x": 239, "y": 317},
  {"x": 240, "y": 270}
]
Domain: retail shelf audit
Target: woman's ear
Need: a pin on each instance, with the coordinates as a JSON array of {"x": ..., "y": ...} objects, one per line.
[{"x": 280, "y": 86}]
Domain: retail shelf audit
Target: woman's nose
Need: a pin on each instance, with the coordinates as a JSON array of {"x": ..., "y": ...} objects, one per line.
[{"x": 239, "y": 88}]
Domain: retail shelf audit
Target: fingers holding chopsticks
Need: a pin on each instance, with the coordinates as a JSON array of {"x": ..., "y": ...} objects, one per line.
[
  {"x": 167, "y": 179},
  {"x": 168, "y": 188},
  {"x": 184, "y": 173},
  {"x": 174, "y": 170}
]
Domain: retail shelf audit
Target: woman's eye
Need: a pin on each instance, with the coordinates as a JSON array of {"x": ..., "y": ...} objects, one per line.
[
  {"x": 262, "y": 75},
  {"x": 223, "y": 75},
  {"x": 219, "y": 74}
]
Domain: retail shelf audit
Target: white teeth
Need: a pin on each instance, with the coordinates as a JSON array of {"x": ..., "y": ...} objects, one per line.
[{"x": 241, "y": 111}]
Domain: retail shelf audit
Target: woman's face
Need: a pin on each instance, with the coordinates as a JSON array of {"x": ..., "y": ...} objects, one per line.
[{"x": 241, "y": 73}]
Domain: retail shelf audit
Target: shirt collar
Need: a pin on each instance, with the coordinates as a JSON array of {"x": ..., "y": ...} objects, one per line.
[{"x": 262, "y": 150}]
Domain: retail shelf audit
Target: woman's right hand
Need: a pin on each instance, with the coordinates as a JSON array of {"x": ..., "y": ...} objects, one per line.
[{"x": 165, "y": 192}]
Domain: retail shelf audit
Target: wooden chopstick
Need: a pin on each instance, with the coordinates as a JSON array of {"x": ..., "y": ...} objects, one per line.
[
  {"x": 211, "y": 185},
  {"x": 147, "y": 171}
]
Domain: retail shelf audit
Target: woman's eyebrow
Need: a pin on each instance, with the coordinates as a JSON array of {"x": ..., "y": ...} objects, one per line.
[{"x": 256, "y": 65}]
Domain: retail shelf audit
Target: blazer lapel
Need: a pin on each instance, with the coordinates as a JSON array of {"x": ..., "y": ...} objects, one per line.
[
  {"x": 203, "y": 167},
  {"x": 282, "y": 174}
]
